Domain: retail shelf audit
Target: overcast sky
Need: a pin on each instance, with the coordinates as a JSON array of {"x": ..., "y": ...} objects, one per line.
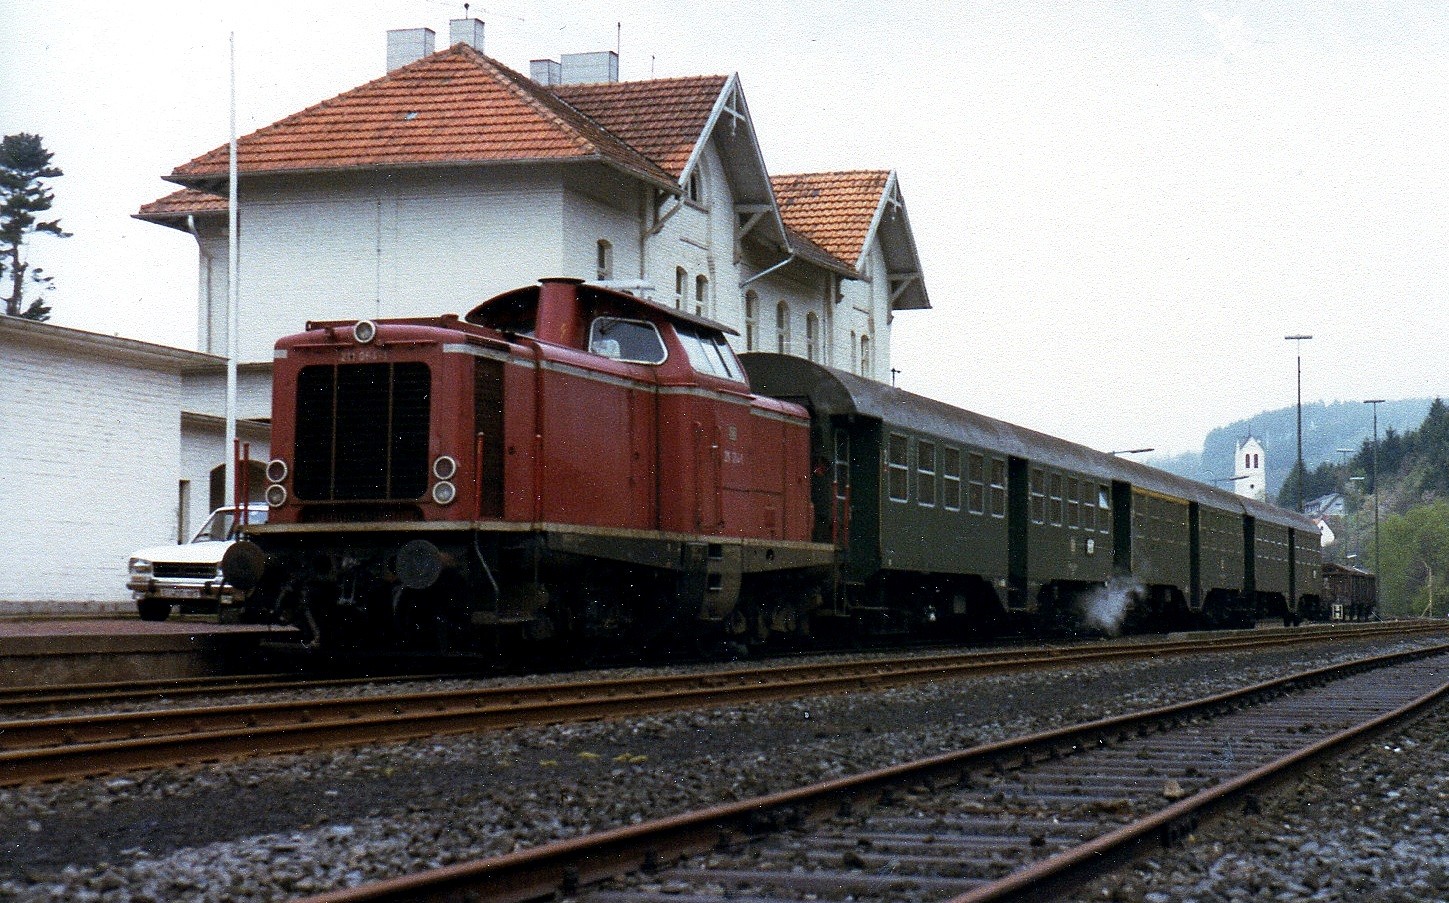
[{"x": 1121, "y": 208}]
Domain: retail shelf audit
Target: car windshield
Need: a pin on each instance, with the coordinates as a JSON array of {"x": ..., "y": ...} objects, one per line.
[{"x": 218, "y": 527}]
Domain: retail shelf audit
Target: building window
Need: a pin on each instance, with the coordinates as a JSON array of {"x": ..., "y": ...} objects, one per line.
[
  {"x": 951, "y": 478},
  {"x": 926, "y": 473},
  {"x": 812, "y": 336},
  {"x": 898, "y": 465},
  {"x": 681, "y": 279},
  {"x": 694, "y": 186},
  {"x": 854, "y": 362},
  {"x": 605, "y": 261},
  {"x": 865, "y": 355},
  {"x": 701, "y": 295},
  {"x": 782, "y": 328},
  {"x": 752, "y": 321},
  {"x": 1038, "y": 496},
  {"x": 975, "y": 483},
  {"x": 998, "y": 487},
  {"x": 1255, "y": 460}
]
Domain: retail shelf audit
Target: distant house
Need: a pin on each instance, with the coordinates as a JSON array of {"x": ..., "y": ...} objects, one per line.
[
  {"x": 452, "y": 178},
  {"x": 1331, "y": 505}
]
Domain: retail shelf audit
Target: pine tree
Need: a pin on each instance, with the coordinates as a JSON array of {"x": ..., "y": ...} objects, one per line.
[{"x": 24, "y": 167}]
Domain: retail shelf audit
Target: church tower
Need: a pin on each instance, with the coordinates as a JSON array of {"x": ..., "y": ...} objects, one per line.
[{"x": 1251, "y": 469}]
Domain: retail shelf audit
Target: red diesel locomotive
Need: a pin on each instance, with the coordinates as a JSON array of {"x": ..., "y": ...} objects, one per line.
[{"x": 565, "y": 460}]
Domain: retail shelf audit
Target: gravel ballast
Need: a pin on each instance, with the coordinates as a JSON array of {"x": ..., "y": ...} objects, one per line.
[{"x": 281, "y": 826}]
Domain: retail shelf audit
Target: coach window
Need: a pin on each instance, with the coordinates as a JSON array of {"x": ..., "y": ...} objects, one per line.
[
  {"x": 1056, "y": 499},
  {"x": 951, "y": 478},
  {"x": 998, "y": 487},
  {"x": 898, "y": 461},
  {"x": 842, "y": 464},
  {"x": 1074, "y": 520},
  {"x": 926, "y": 473},
  {"x": 1089, "y": 508},
  {"x": 1038, "y": 496},
  {"x": 1104, "y": 506},
  {"x": 975, "y": 483},
  {"x": 626, "y": 340}
]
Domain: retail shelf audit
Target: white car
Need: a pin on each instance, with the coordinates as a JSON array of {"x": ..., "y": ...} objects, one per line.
[{"x": 187, "y": 576}]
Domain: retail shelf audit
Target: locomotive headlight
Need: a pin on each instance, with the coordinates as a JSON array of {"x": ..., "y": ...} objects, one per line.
[
  {"x": 276, "y": 495},
  {"x": 445, "y": 467},
  {"x": 140, "y": 567},
  {"x": 365, "y": 331},
  {"x": 444, "y": 492},
  {"x": 276, "y": 470}
]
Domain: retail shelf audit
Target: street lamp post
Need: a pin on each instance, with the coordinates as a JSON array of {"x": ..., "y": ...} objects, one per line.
[
  {"x": 1374, "y": 478},
  {"x": 1300, "y": 340}
]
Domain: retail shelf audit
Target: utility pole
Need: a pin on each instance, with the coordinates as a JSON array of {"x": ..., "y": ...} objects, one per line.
[
  {"x": 1374, "y": 476},
  {"x": 1300, "y": 340}
]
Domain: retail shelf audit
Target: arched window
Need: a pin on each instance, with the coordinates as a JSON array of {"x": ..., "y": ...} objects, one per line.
[
  {"x": 605, "y": 260},
  {"x": 782, "y": 328},
  {"x": 752, "y": 321},
  {"x": 1247, "y": 462},
  {"x": 865, "y": 355},
  {"x": 1255, "y": 460},
  {"x": 701, "y": 294},
  {"x": 854, "y": 361},
  {"x": 812, "y": 336},
  {"x": 681, "y": 279},
  {"x": 694, "y": 187}
]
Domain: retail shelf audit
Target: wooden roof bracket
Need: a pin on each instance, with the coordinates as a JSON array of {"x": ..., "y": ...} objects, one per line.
[
  {"x": 900, "y": 283},
  {"x": 661, "y": 218}
]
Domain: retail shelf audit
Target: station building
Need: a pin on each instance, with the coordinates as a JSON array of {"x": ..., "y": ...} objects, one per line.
[{"x": 451, "y": 178}]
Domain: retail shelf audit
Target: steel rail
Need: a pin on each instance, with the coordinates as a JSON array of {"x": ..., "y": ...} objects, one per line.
[
  {"x": 101, "y": 692},
  {"x": 566, "y": 866},
  {"x": 50, "y": 749},
  {"x": 177, "y": 687}
]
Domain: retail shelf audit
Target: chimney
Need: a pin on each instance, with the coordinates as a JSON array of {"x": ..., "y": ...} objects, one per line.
[
  {"x": 545, "y": 72},
  {"x": 408, "y": 45},
  {"x": 584, "y": 68},
  {"x": 466, "y": 31}
]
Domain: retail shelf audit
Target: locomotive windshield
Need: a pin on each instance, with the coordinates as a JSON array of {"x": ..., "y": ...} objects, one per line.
[{"x": 710, "y": 353}]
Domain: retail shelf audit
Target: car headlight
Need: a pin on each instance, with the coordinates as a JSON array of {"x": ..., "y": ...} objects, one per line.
[{"x": 140, "y": 567}]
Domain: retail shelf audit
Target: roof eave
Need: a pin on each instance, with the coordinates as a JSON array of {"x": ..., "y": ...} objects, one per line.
[{"x": 211, "y": 182}]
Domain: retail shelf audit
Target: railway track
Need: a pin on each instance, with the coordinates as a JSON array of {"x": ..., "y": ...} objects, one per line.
[
  {"x": 48, "y": 749},
  {"x": 1023, "y": 818}
]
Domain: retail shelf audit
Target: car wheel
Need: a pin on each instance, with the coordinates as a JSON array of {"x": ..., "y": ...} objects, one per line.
[{"x": 154, "y": 609}]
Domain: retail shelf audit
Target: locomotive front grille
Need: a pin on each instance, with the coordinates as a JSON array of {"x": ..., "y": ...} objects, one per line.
[{"x": 362, "y": 432}]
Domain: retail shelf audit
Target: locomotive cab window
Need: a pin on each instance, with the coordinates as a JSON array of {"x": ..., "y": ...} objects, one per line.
[
  {"x": 634, "y": 341},
  {"x": 709, "y": 353}
]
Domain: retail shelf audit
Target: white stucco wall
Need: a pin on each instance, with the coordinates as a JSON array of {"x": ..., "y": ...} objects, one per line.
[{"x": 90, "y": 451}]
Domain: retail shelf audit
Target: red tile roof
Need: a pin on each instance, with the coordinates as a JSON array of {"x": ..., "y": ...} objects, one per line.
[
  {"x": 661, "y": 118},
  {"x": 187, "y": 201},
  {"x": 835, "y": 209},
  {"x": 453, "y": 107}
]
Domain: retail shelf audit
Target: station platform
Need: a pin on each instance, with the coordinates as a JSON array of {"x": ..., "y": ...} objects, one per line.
[{"x": 37, "y": 651}]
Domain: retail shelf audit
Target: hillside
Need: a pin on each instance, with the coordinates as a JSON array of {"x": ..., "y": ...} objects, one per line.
[{"x": 1327, "y": 427}]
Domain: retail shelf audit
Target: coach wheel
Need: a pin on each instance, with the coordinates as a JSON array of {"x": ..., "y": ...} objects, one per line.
[{"x": 154, "y": 609}]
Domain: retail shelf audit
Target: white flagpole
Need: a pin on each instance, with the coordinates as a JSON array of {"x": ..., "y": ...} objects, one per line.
[{"x": 231, "y": 297}]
